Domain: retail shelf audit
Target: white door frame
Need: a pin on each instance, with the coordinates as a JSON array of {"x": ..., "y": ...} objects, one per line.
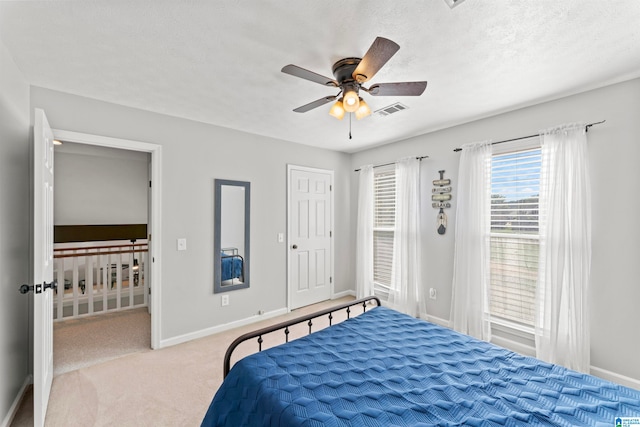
[
  {"x": 155, "y": 214},
  {"x": 318, "y": 170}
]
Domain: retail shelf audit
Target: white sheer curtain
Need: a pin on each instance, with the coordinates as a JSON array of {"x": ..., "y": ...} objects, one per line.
[
  {"x": 562, "y": 312},
  {"x": 364, "y": 234},
  {"x": 405, "y": 276},
  {"x": 470, "y": 299}
]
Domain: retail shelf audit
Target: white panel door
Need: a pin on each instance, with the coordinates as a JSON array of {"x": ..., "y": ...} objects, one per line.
[
  {"x": 309, "y": 236},
  {"x": 42, "y": 266}
]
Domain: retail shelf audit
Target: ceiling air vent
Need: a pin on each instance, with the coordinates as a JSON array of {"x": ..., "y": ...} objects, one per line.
[{"x": 390, "y": 109}]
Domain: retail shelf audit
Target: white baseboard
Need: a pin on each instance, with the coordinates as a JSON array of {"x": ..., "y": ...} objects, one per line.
[
  {"x": 436, "y": 320},
  {"x": 595, "y": 371},
  {"x": 225, "y": 327},
  {"x": 523, "y": 349},
  {"x": 220, "y": 328},
  {"x": 615, "y": 378},
  {"x": 13, "y": 409},
  {"x": 344, "y": 294}
]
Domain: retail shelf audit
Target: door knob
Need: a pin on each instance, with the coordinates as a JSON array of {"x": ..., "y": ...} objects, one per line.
[
  {"x": 294, "y": 247},
  {"x": 39, "y": 288}
]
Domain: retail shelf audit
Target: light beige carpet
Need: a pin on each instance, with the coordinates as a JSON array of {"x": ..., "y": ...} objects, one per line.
[
  {"x": 168, "y": 387},
  {"x": 87, "y": 341}
]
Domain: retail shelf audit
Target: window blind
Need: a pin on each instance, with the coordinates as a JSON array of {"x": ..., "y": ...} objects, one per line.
[
  {"x": 515, "y": 187},
  {"x": 384, "y": 188}
]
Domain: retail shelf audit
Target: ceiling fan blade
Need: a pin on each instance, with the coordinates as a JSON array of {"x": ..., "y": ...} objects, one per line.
[
  {"x": 398, "y": 89},
  {"x": 378, "y": 54},
  {"x": 315, "y": 104},
  {"x": 296, "y": 71}
]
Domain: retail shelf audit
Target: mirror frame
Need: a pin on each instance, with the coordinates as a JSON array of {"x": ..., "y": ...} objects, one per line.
[{"x": 217, "y": 273}]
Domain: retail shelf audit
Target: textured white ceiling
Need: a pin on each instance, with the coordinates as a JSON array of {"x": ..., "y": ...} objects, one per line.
[{"x": 219, "y": 61}]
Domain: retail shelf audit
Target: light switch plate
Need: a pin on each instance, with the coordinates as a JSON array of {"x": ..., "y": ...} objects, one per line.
[
  {"x": 182, "y": 244},
  {"x": 280, "y": 237}
]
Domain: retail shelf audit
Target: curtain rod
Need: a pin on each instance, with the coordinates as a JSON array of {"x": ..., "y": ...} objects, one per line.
[
  {"x": 393, "y": 163},
  {"x": 586, "y": 128}
]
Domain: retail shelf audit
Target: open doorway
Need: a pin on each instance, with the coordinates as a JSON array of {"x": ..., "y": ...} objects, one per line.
[
  {"x": 153, "y": 154},
  {"x": 101, "y": 307}
]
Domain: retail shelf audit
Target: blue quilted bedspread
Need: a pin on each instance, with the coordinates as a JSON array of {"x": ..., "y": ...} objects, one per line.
[{"x": 384, "y": 368}]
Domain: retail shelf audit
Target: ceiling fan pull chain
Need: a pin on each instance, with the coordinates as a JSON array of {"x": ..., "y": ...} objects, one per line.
[{"x": 349, "y": 125}]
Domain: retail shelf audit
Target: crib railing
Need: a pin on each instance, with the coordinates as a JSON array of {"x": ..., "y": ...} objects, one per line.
[{"x": 99, "y": 279}]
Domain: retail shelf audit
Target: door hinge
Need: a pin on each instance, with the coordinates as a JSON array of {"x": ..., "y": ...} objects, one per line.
[
  {"x": 331, "y": 188},
  {"x": 330, "y": 233},
  {"x": 149, "y": 184},
  {"x": 330, "y": 279}
]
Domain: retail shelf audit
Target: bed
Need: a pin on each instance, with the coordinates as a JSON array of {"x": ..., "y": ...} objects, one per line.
[
  {"x": 384, "y": 368},
  {"x": 232, "y": 264}
]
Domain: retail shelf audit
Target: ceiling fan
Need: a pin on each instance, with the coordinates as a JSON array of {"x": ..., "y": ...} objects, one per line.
[{"x": 350, "y": 74}]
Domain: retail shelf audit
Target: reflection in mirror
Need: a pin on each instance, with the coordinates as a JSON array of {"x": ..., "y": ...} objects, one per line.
[
  {"x": 231, "y": 239},
  {"x": 232, "y": 234}
]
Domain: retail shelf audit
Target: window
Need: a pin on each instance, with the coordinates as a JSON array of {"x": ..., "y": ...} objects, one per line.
[
  {"x": 515, "y": 187},
  {"x": 384, "y": 211}
]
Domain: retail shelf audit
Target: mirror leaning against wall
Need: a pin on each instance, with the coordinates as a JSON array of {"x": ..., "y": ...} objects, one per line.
[{"x": 231, "y": 235}]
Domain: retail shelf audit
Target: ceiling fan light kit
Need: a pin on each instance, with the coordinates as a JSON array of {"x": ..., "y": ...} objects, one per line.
[{"x": 350, "y": 74}]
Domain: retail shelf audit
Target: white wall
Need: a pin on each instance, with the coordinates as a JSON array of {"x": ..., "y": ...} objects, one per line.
[
  {"x": 194, "y": 154},
  {"x": 614, "y": 153},
  {"x": 97, "y": 185},
  {"x": 14, "y": 231}
]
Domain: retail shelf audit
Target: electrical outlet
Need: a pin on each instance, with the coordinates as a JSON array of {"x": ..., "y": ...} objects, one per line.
[
  {"x": 432, "y": 293},
  {"x": 182, "y": 244},
  {"x": 225, "y": 300}
]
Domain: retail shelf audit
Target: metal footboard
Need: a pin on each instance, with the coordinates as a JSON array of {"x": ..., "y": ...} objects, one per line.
[{"x": 285, "y": 326}]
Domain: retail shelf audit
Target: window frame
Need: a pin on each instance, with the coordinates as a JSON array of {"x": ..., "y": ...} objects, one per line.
[
  {"x": 522, "y": 329},
  {"x": 382, "y": 289}
]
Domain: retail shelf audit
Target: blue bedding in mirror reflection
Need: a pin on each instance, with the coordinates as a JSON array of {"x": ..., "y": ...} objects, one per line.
[{"x": 232, "y": 266}]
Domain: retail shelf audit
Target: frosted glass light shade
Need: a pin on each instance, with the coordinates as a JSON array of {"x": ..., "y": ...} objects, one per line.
[
  {"x": 337, "y": 110},
  {"x": 351, "y": 101},
  {"x": 363, "y": 110}
]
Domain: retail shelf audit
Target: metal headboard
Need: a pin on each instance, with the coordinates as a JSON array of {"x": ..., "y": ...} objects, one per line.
[{"x": 285, "y": 325}]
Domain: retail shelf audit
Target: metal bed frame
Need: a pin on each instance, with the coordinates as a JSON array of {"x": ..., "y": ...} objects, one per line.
[{"x": 285, "y": 325}]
